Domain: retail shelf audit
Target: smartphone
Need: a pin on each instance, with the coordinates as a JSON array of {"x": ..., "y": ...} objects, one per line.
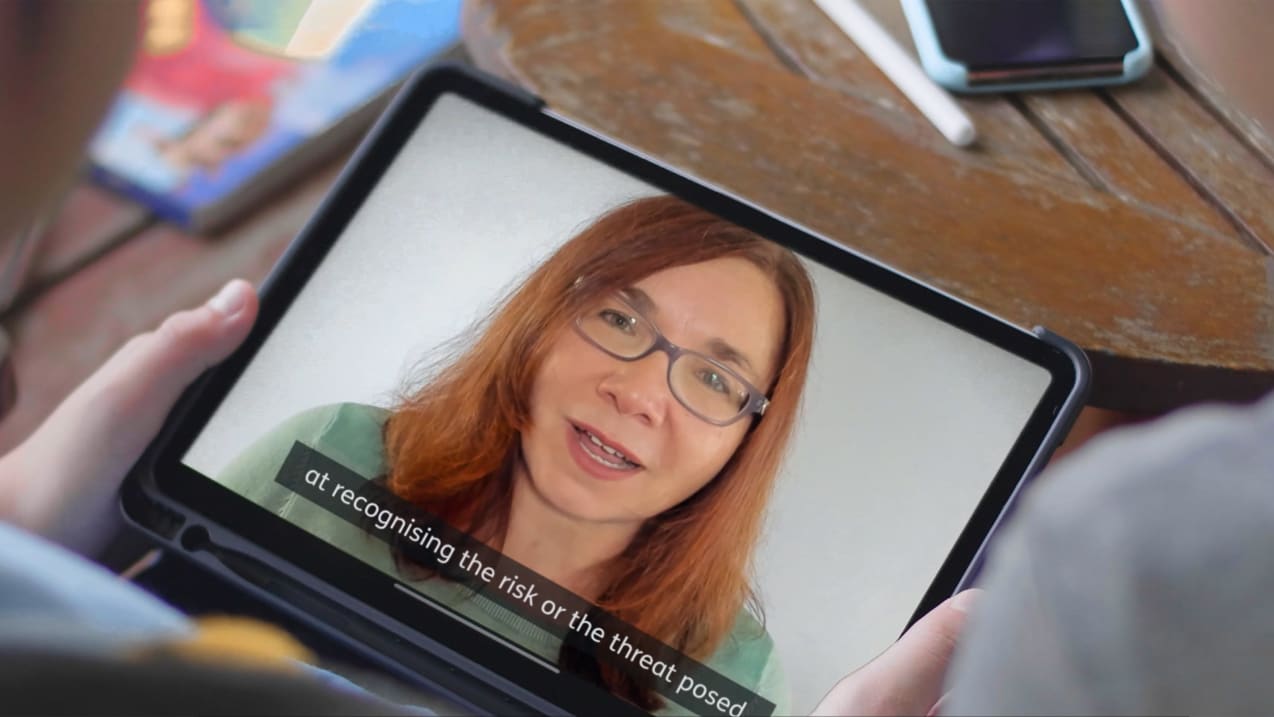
[{"x": 1006, "y": 45}]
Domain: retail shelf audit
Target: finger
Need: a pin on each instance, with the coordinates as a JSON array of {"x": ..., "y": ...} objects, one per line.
[
  {"x": 919, "y": 660},
  {"x": 75, "y": 460},
  {"x": 939, "y": 705},
  {"x": 145, "y": 377},
  {"x": 907, "y": 678},
  {"x": 118, "y": 410}
]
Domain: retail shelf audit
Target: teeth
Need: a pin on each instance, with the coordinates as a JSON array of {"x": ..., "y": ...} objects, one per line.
[
  {"x": 598, "y": 442},
  {"x": 623, "y": 460},
  {"x": 609, "y": 464}
]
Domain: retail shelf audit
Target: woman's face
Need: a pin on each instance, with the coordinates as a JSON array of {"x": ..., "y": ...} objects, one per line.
[{"x": 584, "y": 396}]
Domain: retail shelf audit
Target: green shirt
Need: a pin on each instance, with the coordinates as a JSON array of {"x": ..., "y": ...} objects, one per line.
[{"x": 351, "y": 434}]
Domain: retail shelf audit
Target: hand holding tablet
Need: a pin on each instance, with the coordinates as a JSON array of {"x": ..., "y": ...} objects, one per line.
[{"x": 61, "y": 482}]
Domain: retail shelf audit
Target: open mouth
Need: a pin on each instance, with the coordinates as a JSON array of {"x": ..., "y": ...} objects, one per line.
[{"x": 598, "y": 450}]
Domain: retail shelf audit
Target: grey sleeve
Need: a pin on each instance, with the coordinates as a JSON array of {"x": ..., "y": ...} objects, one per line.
[{"x": 1135, "y": 579}]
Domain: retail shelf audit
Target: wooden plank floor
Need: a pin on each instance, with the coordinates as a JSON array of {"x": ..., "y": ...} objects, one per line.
[{"x": 105, "y": 272}]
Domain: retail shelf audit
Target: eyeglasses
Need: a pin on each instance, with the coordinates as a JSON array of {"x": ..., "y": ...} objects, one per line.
[{"x": 706, "y": 387}]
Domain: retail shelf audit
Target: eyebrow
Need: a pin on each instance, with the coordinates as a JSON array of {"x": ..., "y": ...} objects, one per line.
[
  {"x": 725, "y": 352},
  {"x": 640, "y": 300},
  {"x": 719, "y": 348}
]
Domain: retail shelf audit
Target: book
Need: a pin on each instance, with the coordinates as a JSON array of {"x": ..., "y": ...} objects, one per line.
[{"x": 228, "y": 100}]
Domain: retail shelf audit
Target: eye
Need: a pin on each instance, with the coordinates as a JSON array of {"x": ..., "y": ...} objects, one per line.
[
  {"x": 618, "y": 320},
  {"x": 715, "y": 381}
]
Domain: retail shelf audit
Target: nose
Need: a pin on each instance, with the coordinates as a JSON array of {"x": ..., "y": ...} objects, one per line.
[{"x": 639, "y": 388}]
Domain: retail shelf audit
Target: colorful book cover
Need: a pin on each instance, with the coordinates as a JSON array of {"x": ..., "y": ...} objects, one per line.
[{"x": 227, "y": 97}]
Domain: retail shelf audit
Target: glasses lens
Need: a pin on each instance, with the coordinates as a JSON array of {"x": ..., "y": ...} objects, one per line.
[
  {"x": 616, "y": 328},
  {"x": 708, "y": 389}
]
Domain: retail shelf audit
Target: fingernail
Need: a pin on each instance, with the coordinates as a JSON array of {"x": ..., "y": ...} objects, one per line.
[
  {"x": 231, "y": 299},
  {"x": 964, "y": 601}
]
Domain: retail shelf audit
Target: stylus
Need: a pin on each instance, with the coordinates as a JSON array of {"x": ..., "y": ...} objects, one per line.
[{"x": 877, "y": 44}]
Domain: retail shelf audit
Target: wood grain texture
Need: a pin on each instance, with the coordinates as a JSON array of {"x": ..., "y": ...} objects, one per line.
[
  {"x": 72, "y": 328},
  {"x": 87, "y": 223},
  {"x": 800, "y": 32},
  {"x": 1171, "y": 307},
  {"x": 1176, "y": 61},
  {"x": 1118, "y": 160},
  {"x": 1206, "y": 152},
  {"x": 1067, "y": 136}
]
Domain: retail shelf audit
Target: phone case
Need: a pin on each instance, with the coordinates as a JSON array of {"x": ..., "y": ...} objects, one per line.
[{"x": 955, "y": 76}]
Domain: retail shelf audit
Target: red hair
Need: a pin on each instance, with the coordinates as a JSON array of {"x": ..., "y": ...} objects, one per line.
[{"x": 452, "y": 445}]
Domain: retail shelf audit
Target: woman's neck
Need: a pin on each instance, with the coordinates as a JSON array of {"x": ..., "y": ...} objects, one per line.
[{"x": 570, "y": 552}]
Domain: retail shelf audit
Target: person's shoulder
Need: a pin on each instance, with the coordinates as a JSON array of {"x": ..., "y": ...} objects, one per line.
[
  {"x": 331, "y": 421},
  {"x": 1205, "y": 456},
  {"x": 746, "y": 651},
  {"x": 748, "y": 630},
  {"x": 1169, "y": 506},
  {"x": 349, "y": 433},
  {"x": 1135, "y": 561},
  {"x": 330, "y": 414},
  {"x": 347, "y": 417}
]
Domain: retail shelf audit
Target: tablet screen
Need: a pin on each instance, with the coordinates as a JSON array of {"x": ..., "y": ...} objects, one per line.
[{"x": 625, "y": 439}]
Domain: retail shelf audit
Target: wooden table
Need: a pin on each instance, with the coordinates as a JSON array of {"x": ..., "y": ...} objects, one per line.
[{"x": 1136, "y": 221}]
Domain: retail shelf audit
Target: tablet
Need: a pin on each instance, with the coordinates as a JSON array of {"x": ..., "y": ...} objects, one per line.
[{"x": 540, "y": 422}]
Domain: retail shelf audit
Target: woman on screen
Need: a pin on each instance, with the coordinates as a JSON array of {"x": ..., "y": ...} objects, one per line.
[{"x": 616, "y": 426}]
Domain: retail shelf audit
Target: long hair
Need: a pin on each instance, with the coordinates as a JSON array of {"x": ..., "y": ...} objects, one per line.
[{"x": 451, "y": 446}]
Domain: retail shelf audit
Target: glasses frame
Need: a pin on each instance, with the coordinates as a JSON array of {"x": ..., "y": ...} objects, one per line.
[{"x": 757, "y": 401}]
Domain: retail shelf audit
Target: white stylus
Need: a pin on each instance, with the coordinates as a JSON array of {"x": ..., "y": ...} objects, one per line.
[{"x": 876, "y": 43}]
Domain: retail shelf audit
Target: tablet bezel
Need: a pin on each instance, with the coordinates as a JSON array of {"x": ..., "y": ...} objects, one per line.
[{"x": 325, "y": 569}]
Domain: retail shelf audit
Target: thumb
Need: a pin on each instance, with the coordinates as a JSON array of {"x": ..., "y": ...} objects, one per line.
[
  {"x": 73, "y": 463},
  {"x": 907, "y": 678},
  {"x": 145, "y": 377}
]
